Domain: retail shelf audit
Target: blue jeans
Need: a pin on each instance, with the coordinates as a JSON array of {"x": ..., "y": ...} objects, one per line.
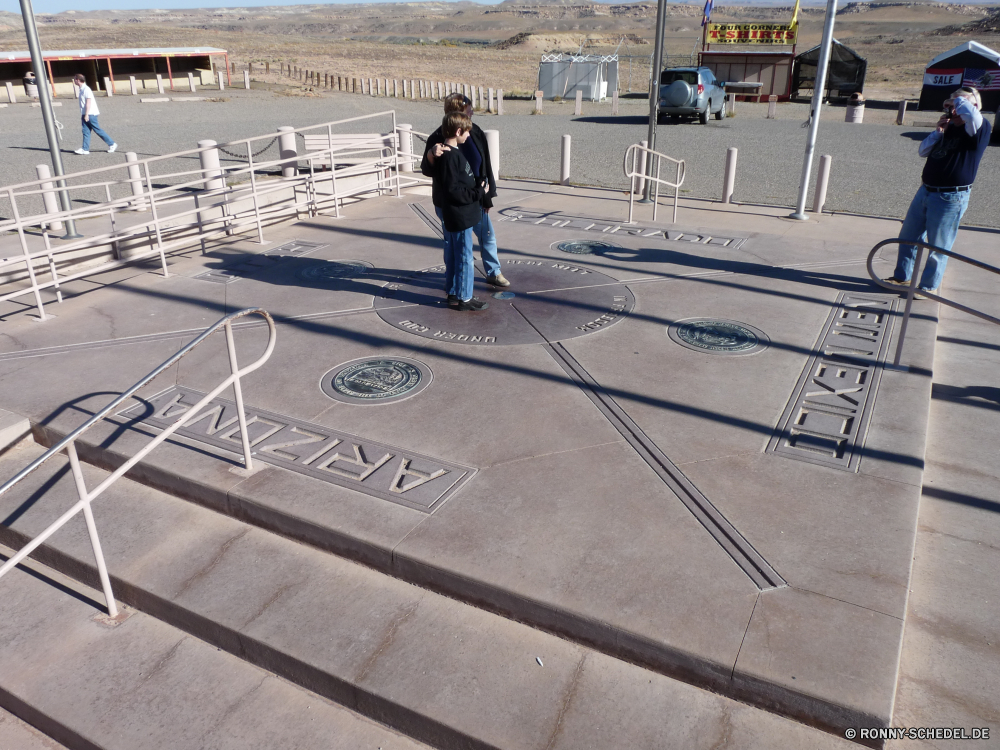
[
  {"x": 459, "y": 264},
  {"x": 92, "y": 126},
  {"x": 932, "y": 218},
  {"x": 487, "y": 243}
]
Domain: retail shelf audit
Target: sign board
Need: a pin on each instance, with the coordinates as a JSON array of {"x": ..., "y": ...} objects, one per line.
[
  {"x": 944, "y": 77},
  {"x": 751, "y": 33}
]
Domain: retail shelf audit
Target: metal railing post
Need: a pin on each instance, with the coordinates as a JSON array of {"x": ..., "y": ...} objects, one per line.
[
  {"x": 729, "y": 181},
  {"x": 910, "y": 291},
  {"x": 95, "y": 542},
  {"x": 27, "y": 256},
  {"x": 135, "y": 180},
  {"x": 405, "y": 146},
  {"x": 156, "y": 219},
  {"x": 253, "y": 195},
  {"x": 240, "y": 413}
]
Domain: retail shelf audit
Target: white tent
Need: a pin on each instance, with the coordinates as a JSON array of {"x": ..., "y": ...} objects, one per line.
[{"x": 563, "y": 75}]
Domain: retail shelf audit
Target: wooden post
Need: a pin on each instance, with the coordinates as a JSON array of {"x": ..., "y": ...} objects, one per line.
[
  {"x": 490, "y": 92},
  {"x": 901, "y": 115},
  {"x": 499, "y": 101},
  {"x": 538, "y": 101},
  {"x": 579, "y": 103},
  {"x": 614, "y": 104}
]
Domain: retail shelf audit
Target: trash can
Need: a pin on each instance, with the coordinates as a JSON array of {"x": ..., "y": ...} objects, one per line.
[
  {"x": 30, "y": 85},
  {"x": 855, "y": 108}
]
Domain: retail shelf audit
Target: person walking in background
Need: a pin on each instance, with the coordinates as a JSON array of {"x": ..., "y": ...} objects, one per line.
[
  {"x": 476, "y": 151},
  {"x": 458, "y": 194},
  {"x": 88, "y": 117},
  {"x": 953, "y": 153}
]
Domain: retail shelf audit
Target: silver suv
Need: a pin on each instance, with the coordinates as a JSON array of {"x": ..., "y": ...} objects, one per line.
[{"x": 689, "y": 92}]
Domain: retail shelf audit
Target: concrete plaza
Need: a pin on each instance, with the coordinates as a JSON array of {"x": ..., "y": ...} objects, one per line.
[{"x": 667, "y": 491}]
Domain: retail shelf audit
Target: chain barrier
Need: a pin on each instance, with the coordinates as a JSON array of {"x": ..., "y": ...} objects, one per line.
[{"x": 255, "y": 153}]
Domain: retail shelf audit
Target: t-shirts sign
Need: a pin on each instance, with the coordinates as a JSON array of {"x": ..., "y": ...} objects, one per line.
[
  {"x": 941, "y": 77},
  {"x": 751, "y": 33}
]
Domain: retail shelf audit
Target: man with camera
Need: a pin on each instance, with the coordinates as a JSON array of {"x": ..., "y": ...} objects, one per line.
[{"x": 953, "y": 153}]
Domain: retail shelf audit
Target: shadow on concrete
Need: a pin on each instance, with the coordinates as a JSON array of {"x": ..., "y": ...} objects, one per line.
[
  {"x": 969, "y": 342},
  {"x": 957, "y": 497},
  {"x": 980, "y": 396}
]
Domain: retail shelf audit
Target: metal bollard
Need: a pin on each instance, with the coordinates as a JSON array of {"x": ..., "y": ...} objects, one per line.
[
  {"x": 499, "y": 101},
  {"x": 288, "y": 151},
  {"x": 641, "y": 181},
  {"x": 538, "y": 102},
  {"x": 210, "y": 167},
  {"x": 901, "y": 116},
  {"x": 108, "y": 87},
  {"x": 191, "y": 87},
  {"x": 772, "y": 105},
  {"x": 493, "y": 144},
  {"x": 614, "y": 104},
  {"x": 405, "y": 147},
  {"x": 49, "y": 197},
  {"x": 579, "y": 103},
  {"x": 729, "y": 181},
  {"x": 10, "y": 93},
  {"x": 564, "y": 162},
  {"x": 822, "y": 180},
  {"x": 132, "y": 86},
  {"x": 135, "y": 180},
  {"x": 246, "y": 79}
]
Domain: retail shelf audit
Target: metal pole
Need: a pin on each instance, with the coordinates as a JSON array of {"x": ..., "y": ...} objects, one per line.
[
  {"x": 817, "y": 102},
  {"x": 48, "y": 119},
  {"x": 654, "y": 90}
]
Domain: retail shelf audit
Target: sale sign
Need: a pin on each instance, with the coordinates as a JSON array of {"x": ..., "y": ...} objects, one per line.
[{"x": 944, "y": 77}]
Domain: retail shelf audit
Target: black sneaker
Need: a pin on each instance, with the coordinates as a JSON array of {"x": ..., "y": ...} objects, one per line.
[
  {"x": 472, "y": 304},
  {"x": 453, "y": 300}
]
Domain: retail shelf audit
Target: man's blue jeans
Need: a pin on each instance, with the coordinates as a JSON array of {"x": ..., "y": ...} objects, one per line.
[
  {"x": 93, "y": 126},
  {"x": 487, "y": 243},
  {"x": 459, "y": 264},
  {"x": 932, "y": 218}
]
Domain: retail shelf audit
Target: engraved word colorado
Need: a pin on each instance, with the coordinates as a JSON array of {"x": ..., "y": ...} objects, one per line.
[{"x": 393, "y": 474}]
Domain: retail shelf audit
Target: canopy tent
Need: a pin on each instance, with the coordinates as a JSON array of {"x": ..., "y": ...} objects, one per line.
[
  {"x": 563, "y": 75},
  {"x": 969, "y": 64},
  {"x": 845, "y": 75}
]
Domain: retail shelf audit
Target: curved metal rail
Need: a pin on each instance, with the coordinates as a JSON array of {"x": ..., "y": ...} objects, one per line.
[
  {"x": 68, "y": 443},
  {"x": 639, "y": 172},
  {"x": 911, "y": 290}
]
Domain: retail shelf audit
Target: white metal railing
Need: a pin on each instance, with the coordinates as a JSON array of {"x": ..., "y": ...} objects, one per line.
[
  {"x": 911, "y": 288},
  {"x": 640, "y": 156},
  {"x": 68, "y": 443},
  {"x": 200, "y": 203}
]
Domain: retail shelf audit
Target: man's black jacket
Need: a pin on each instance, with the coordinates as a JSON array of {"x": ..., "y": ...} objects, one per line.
[
  {"x": 485, "y": 169},
  {"x": 456, "y": 191}
]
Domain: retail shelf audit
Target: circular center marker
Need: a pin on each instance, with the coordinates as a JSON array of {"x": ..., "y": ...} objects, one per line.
[
  {"x": 715, "y": 336},
  {"x": 585, "y": 247},
  {"x": 335, "y": 269},
  {"x": 376, "y": 381},
  {"x": 550, "y": 299}
]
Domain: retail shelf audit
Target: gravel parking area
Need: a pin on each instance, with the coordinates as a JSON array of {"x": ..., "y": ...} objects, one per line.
[{"x": 875, "y": 171}]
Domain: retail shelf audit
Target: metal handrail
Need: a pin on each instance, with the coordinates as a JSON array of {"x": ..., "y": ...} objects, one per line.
[
  {"x": 68, "y": 443},
  {"x": 164, "y": 231},
  {"x": 636, "y": 172},
  {"x": 911, "y": 290}
]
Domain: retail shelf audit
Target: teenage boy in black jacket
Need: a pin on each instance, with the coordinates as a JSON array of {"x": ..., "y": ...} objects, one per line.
[
  {"x": 458, "y": 194},
  {"x": 477, "y": 152}
]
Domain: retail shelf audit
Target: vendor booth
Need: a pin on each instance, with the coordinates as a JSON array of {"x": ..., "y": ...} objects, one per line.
[
  {"x": 845, "y": 74},
  {"x": 969, "y": 64}
]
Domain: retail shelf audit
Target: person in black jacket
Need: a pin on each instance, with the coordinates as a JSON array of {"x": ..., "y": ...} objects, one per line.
[
  {"x": 458, "y": 194},
  {"x": 477, "y": 152}
]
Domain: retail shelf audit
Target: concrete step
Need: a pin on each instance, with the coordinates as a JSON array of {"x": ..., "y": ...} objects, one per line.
[
  {"x": 436, "y": 669},
  {"x": 137, "y": 683}
]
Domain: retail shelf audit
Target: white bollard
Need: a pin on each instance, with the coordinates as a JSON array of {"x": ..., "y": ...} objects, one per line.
[
  {"x": 49, "y": 197},
  {"x": 108, "y": 88},
  {"x": 482, "y": 98},
  {"x": 493, "y": 144},
  {"x": 191, "y": 84},
  {"x": 901, "y": 115},
  {"x": 729, "y": 181},
  {"x": 579, "y": 103},
  {"x": 246, "y": 79},
  {"x": 132, "y": 86},
  {"x": 135, "y": 180},
  {"x": 405, "y": 147},
  {"x": 491, "y": 102},
  {"x": 822, "y": 180},
  {"x": 772, "y": 104},
  {"x": 210, "y": 167},
  {"x": 732, "y": 104},
  {"x": 222, "y": 80},
  {"x": 499, "y": 101},
  {"x": 159, "y": 83},
  {"x": 538, "y": 101},
  {"x": 413, "y": 89},
  {"x": 423, "y": 93},
  {"x": 371, "y": 88},
  {"x": 641, "y": 181},
  {"x": 395, "y": 89},
  {"x": 614, "y": 104},
  {"x": 288, "y": 151},
  {"x": 10, "y": 93},
  {"x": 564, "y": 161}
]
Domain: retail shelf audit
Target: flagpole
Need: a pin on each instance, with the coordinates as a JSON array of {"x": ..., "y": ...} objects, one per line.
[{"x": 654, "y": 93}]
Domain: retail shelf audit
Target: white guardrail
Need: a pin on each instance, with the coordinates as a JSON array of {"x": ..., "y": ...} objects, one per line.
[
  {"x": 638, "y": 173},
  {"x": 68, "y": 443},
  {"x": 188, "y": 205}
]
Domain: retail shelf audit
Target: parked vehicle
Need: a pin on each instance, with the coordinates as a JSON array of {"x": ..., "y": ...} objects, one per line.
[{"x": 690, "y": 92}]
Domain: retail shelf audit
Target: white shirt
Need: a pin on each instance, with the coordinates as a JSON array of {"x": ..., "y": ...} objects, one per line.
[{"x": 85, "y": 94}]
